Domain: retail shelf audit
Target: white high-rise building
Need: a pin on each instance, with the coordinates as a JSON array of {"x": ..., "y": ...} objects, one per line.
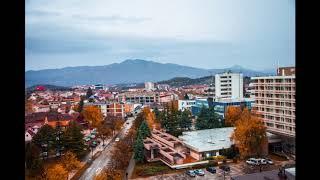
[
  {"x": 149, "y": 86},
  {"x": 229, "y": 85}
]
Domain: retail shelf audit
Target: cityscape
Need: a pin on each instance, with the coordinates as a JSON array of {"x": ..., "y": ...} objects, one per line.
[{"x": 214, "y": 117}]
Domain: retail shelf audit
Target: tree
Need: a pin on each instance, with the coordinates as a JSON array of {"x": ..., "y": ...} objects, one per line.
[
  {"x": 104, "y": 131},
  {"x": 109, "y": 174},
  {"x": 28, "y": 107},
  {"x": 45, "y": 137},
  {"x": 170, "y": 119},
  {"x": 144, "y": 130},
  {"x": 80, "y": 105},
  {"x": 156, "y": 113},
  {"x": 73, "y": 139},
  {"x": 232, "y": 115},
  {"x": 139, "y": 149},
  {"x": 150, "y": 118},
  {"x": 185, "y": 121},
  {"x": 250, "y": 135},
  {"x": 70, "y": 162},
  {"x": 89, "y": 93},
  {"x": 32, "y": 158},
  {"x": 56, "y": 172},
  {"x": 186, "y": 97},
  {"x": 208, "y": 119},
  {"x": 114, "y": 123},
  {"x": 93, "y": 115}
]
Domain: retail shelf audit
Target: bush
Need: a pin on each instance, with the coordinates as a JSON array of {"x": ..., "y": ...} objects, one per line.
[
  {"x": 213, "y": 163},
  {"x": 219, "y": 158}
]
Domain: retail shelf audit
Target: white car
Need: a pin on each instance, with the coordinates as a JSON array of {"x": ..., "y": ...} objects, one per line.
[
  {"x": 269, "y": 161},
  {"x": 262, "y": 161},
  {"x": 252, "y": 161},
  {"x": 117, "y": 139}
]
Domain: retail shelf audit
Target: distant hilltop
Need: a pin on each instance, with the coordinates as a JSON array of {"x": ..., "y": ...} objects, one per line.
[{"x": 128, "y": 71}]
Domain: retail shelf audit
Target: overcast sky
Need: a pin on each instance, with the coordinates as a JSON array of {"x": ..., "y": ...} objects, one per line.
[{"x": 200, "y": 33}]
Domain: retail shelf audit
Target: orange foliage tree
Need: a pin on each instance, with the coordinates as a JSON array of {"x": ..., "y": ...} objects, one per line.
[
  {"x": 93, "y": 115},
  {"x": 109, "y": 174},
  {"x": 250, "y": 135},
  {"x": 70, "y": 162},
  {"x": 232, "y": 115},
  {"x": 56, "y": 172},
  {"x": 150, "y": 118}
]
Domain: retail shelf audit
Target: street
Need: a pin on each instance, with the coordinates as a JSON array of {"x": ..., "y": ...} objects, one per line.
[{"x": 102, "y": 161}]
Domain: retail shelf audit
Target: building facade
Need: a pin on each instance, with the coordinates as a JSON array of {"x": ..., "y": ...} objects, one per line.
[
  {"x": 275, "y": 104},
  {"x": 149, "y": 86},
  {"x": 139, "y": 97},
  {"x": 229, "y": 85},
  {"x": 185, "y": 104}
]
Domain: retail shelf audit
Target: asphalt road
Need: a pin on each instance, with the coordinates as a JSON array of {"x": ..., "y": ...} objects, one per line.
[{"x": 101, "y": 161}]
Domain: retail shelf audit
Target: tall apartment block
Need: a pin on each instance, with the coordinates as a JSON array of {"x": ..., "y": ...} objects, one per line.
[
  {"x": 275, "y": 103},
  {"x": 229, "y": 85}
]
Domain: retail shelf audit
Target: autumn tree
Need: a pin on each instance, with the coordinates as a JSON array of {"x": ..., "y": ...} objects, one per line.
[
  {"x": 73, "y": 139},
  {"x": 150, "y": 118},
  {"x": 114, "y": 123},
  {"x": 109, "y": 174},
  {"x": 70, "y": 162},
  {"x": 250, "y": 135},
  {"x": 28, "y": 107},
  {"x": 93, "y": 115},
  {"x": 232, "y": 115},
  {"x": 56, "y": 172},
  {"x": 104, "y": 131}
]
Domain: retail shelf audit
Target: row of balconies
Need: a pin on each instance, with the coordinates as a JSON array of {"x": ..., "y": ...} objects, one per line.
[
  {"x": 292, "y": 99},
  {"x": 275, "y": 106}
]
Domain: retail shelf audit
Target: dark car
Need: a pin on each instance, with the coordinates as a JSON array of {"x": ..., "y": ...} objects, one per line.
[
  {"x": 211, "y": 169},
  {"x": 191, "y": 173},
  {"x": 225, "y": 168}
]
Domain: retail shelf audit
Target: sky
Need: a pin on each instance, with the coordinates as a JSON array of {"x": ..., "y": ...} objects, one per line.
[{"x": 255, "y": 34}]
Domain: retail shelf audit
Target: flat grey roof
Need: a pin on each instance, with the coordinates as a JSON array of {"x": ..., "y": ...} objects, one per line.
[{"x": 208, "y": 139}]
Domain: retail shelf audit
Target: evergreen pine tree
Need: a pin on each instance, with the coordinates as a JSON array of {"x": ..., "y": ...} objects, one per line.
[
  {"x": 138, "y": 149},
  {"x": 73, "y": 139},
  {"x": 201, "y": 122},
  {"x": 45, "y": 136},
  {"x": 89, "y": 93},
  {"x": 186, "y": 97},
  {"x": 32, "y": 157},
  {"x": 144, "y": 130},
  {"x": 185, "y": 121},
  {"x": 80, "y": 107}
]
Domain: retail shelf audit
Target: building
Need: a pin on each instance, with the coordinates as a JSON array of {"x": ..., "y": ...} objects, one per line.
[
  {"x": 163, "y": 87},
  {"x": 37, "y": 120},
  {"x": 185, "y": 104},
  {"x": 208, "y": 142},
  {"x": 286, "y": 71},
  {"x": 275, "y": 104},
  {"x": 99, "y": 87},
  {"x": 229, "y": 85},
  {"x": 139, "y": 97},
  {"x": 149, "y": 86},
  {"x": 190, "y": 149},
  {"x": 109, "y": 109},
  {"x": 220, "y": 104}
]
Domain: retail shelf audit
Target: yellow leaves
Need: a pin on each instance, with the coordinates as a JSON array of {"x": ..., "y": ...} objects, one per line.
[
  {"x": 150, "y": 118},
  {"x": 249, "y": 135},
  {"x": 232, "y": 115},
  {"x": 93, "y": 115},
  {"x": 56, "y": 172},
  {"x": 70, "y": 162}
]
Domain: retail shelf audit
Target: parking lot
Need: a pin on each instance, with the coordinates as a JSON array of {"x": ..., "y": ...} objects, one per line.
[{"x": 236, "y": 169}]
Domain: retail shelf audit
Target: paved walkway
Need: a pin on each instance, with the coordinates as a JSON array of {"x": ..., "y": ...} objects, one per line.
[{"x": 130, "y": 168}]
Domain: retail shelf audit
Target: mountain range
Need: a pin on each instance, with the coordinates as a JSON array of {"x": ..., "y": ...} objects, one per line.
[{"x": 128, "y": 71}]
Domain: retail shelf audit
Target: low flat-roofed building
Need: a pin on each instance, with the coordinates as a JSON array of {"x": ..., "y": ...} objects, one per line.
[{"x": 207, "y": 142}]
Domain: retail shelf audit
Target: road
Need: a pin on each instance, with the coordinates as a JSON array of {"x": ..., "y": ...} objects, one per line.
[{"x": 101, "y": 161}]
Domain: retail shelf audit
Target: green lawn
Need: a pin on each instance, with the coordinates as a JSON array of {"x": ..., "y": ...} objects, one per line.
[{"x": 151, "y": 169}]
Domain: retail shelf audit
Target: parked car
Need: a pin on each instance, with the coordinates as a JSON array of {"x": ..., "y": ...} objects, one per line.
[
  {"x": 191, "y": 173},
  {"x": 199, "y": 172},
  {"x": 225, "y": 168},
  {"x": 211, "y": 169},
  {"x": 117, "y": 139},
  {"x": 269, "y": 161},
  {"x": 262, "y": 161},
  {"x": 252, "y": 161}
]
